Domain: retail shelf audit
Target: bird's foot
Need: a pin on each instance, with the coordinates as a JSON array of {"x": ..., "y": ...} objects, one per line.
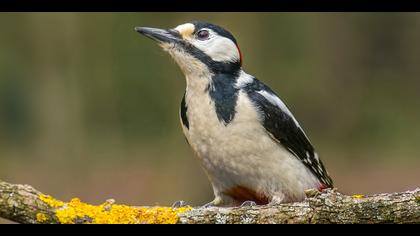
[
  {"x": 179, "y": 204},
  {"x": 218, "y": 201},
  {"x": 207, "y": 205},
  {"x": 248, "y": 204},
  {"x": 276, "y": 200}
]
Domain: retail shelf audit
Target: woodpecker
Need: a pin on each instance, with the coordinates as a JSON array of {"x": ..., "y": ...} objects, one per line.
[{"x": 248, "y": 142}]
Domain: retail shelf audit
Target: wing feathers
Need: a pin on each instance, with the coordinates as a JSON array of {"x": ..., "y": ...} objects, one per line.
[{"x": 284, "y": 128}]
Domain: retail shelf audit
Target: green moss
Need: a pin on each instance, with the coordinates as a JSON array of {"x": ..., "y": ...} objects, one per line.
[{"x": 417, "y": 199}]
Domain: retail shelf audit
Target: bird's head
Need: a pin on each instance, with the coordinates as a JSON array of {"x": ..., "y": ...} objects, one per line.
[{"x": 198, "y": 47}]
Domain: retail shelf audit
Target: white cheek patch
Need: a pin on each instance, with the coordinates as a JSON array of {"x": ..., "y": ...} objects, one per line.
[{"x": 219, "y": 48}]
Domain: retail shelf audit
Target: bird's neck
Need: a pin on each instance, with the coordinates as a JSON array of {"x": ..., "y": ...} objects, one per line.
[
  {"x": 197, "y": 84},
  {"x": 206, "y": 81}
]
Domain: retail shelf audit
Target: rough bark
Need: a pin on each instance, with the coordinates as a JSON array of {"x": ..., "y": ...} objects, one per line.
[{"x": 22, "y": 203}]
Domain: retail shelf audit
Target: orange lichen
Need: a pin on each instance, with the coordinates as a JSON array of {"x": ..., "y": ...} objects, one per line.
[{"x": 76, "y": 211}]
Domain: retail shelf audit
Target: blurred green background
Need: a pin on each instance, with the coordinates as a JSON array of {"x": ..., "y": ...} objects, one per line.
[{"x": 89, "y": 108}]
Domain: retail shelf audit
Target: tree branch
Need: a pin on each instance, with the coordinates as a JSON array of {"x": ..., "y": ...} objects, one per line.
[{"x": 24, "y": 204}]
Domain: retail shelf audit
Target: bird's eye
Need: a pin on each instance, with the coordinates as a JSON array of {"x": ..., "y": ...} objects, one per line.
[{"x": 203, "y": 34}]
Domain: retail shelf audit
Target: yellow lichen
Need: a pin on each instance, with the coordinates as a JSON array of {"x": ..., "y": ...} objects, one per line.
[
  {"x": 41, "y": 217},
  {"x": 51, "y": 201},
  {"x": 358, "y": 196},
  {"x": 76, "y": 211}
]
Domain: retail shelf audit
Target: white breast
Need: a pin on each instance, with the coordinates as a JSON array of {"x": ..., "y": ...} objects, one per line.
[{"x": 242, "y": 153}]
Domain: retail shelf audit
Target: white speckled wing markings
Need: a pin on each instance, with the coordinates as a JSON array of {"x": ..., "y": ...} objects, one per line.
[{"x": 284, "y": 128}]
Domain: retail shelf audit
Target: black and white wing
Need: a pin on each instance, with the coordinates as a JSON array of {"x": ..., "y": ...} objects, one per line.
[{"x": 283, "y": 127}]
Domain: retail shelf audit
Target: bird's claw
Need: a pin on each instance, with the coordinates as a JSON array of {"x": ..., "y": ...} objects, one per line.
[
  {"x": 207, "y": 205},
  {"x": 179, "y": 204},
  {"x": 248, "y": 204}
]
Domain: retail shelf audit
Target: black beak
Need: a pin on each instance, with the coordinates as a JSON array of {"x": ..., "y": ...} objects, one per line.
[{"x": 160, "y": 35}]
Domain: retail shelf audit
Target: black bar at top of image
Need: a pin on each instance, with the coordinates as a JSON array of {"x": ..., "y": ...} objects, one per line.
[{"x": 207, "y": 5}]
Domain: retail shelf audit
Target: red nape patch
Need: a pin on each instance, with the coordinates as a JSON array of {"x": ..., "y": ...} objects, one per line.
[
  {"x": 322, "y": 187},
  {"x": 240, "y": 54},
  {"x": 242, "y": 194}
]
